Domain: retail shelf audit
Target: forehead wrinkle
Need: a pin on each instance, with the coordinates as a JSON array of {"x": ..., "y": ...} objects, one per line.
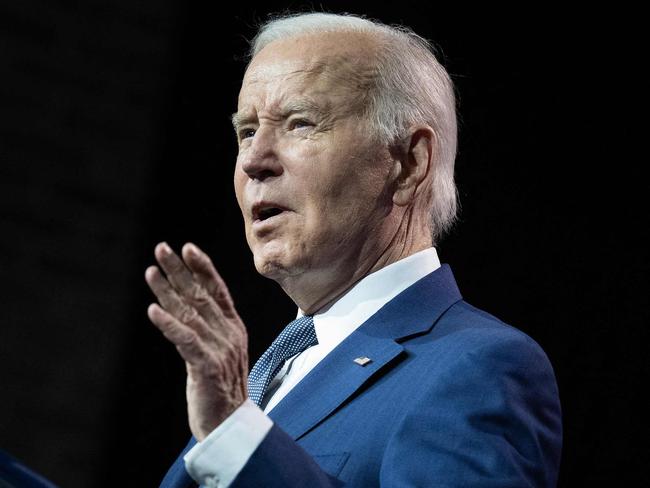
[
  {"x": 352, "y": 71},
  {"x": 348, "y": 76},
  {"x": 351, "y": 74},
  {"x": 266, "y": 74},
  {"x": 251, "y": 79},
  {"x": 303, "y": 104}
]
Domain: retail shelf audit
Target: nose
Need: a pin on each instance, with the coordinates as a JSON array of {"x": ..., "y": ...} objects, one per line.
[{"x": 261, "y": 159}]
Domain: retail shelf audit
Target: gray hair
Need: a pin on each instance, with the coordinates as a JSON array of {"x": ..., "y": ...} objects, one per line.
[{"x": 410, "y": 87}]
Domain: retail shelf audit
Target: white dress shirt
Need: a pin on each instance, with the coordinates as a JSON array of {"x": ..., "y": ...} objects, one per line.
[{"x": 217, "y": 460}]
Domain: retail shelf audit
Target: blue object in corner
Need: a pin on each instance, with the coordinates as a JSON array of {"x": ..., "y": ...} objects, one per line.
[{"x": 14, "y": 474}]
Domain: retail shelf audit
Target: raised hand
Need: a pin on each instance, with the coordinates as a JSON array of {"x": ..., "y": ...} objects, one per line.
[{"x": 197, "y": 314}]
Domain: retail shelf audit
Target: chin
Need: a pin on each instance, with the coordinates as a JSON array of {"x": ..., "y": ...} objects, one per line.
[
  {"x": 270, "y": 265},
  {"x": 269, "y": 269},
  {"x": 276, "y": 264}
]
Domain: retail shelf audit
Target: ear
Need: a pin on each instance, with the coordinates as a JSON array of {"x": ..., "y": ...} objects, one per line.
[{"x": 414, "y": 164}]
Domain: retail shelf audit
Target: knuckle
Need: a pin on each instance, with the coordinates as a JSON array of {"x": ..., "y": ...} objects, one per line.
[
  {"x": 189, "y": 346},
  {"x": 165, "y": 321},
  {"x": 188, "y": 315},
  {"x": 188, "y": 339},
  {"x": 222, "y": 294},
  {"x": 198, "y": 295},
  {"x": 175, "y": 265}
]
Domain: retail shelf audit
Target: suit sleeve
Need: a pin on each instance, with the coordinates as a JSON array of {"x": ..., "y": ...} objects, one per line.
[
  {"x": 492, "y": 420},
  {"x": 279, "y": 462}
]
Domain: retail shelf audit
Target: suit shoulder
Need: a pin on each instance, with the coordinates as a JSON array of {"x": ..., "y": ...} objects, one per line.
[
  {"x": 462, "y": 317},
  {"x": 470, "y": 329},
  {"x": 467, "y": 343}
]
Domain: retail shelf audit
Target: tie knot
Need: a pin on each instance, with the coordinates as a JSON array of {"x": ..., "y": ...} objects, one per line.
[{"x": 297, "y": 336}]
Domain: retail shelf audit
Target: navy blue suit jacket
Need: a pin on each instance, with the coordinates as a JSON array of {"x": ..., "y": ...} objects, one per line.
[{"x": 452, "y": 397}]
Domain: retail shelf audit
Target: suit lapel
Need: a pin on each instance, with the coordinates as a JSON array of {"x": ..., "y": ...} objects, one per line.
[
  {"x": 331, "y": 382},
  {"x": 337, "y": 377}
]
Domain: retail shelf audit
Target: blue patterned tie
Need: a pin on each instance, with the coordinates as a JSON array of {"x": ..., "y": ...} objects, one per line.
[{"x": 295, "y": 338}]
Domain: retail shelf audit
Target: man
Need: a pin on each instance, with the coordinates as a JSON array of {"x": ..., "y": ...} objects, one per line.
[{"x": 347, "y": 138}]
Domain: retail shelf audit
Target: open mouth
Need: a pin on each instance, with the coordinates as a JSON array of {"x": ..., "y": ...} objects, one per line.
[
  {"x": 264, "y": 212},
  {"x": 267, "y": 213}
]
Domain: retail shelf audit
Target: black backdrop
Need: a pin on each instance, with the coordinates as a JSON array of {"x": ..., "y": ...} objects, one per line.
[{"x": 116, "y": 135}]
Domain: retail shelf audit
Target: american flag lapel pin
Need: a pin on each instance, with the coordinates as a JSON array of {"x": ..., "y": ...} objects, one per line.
[{"x": 363, "y": 360}]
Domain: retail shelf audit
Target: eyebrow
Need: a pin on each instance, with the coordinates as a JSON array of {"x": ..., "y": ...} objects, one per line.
[{"x": 289, "y": 108}]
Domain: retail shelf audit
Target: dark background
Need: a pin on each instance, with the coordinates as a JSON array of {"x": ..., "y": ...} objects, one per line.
[{"x": 115, "y": 135}]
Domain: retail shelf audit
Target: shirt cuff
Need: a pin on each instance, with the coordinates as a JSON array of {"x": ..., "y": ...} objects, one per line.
[{"x": 217, "y": 460}]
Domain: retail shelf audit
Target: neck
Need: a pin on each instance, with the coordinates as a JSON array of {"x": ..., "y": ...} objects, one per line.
[{"x": 314, "y": 290}]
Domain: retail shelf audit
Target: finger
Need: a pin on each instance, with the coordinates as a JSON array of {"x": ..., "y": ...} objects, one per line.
[
  {"x": 186, "y": 284},
  {"x": 204, "y": 271},
  {"x": 166, "y": 295},
  {"x": 184, "y": 338},
  {"x": 201, "y": 265},
  {"x": 177, "y": 273},
  {"x": 172, "y": 303}
]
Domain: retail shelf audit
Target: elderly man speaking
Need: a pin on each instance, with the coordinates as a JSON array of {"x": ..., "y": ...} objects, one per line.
[{"x": 387, "y": 377}]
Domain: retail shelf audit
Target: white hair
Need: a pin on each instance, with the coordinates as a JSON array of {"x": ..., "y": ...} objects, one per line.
[{"x": 409, "y": 87}]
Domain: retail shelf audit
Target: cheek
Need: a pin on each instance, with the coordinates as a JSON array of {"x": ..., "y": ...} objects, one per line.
[
  {"x": 239, "y": 183},
  {"x": 348, "y": 210},
  {"x": 331, "y": 218}
]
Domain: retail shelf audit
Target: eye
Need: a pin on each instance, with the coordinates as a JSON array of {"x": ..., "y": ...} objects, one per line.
[
  {"x": 246, "y": 133},
  {"x": 299, "y": 124}
]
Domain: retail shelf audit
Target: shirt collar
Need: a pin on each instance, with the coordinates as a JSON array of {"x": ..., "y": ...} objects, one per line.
[{"x": 369, "y": 294}]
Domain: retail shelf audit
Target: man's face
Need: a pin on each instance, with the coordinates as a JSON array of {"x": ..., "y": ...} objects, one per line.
[{"x": 310, "y": 180}]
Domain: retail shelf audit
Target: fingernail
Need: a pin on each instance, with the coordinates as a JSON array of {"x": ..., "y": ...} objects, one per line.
[
  {"x": 164, "y": 248},
  {"x": 149, "y": 272}
]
